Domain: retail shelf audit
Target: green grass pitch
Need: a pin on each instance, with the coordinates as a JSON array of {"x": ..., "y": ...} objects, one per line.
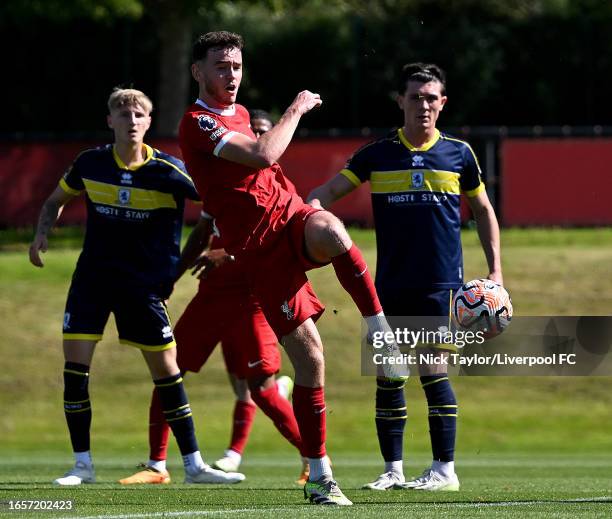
[
  {"x": 526, "y": 447},
  {"x": 493, "y": 486}
]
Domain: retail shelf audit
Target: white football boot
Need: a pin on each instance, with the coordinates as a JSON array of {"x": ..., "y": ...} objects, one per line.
[
  {"x": 80, "y": 473},
  {"x": 325, "y": 491},
  {"x": 385, "y": 481},
  {"x": 208, "y": 475},
  {"x": 432, "y": 481}
]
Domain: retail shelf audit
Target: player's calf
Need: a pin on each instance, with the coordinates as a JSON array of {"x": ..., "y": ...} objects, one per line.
[
  {"x": 179, "y": 417},
  {"x": 442, "y": 417},
  {"x": 77, "y": 406},
  {"x": 327, "y": 240},
  {"x": 278, "y": 409}
]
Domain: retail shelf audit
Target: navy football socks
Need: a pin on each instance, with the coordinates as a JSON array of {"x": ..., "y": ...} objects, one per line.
[
  {"x": 77, "y": 407},
  {"x": 442, "y": 416},
  {"x": 177, "y": 412},
  {"x": 390, "y": 417}
]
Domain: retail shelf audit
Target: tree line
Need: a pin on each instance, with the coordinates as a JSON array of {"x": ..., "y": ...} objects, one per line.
[{"x": 508, "y": 62}]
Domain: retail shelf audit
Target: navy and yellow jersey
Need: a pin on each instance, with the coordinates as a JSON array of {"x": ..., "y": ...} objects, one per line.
[
  {"x": 416, "y": 204},
  {"x": 134, "y": 217}
]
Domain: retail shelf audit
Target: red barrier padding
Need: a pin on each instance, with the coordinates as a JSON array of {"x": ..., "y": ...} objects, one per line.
[
  {"x": 30, "y": 171},
  {"x": 556, "y": 181}
]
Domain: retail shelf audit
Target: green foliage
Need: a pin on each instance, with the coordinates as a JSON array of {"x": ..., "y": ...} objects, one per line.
[
  {"x": 64, "y": 10},
  {"x": 511, "y": 62}
]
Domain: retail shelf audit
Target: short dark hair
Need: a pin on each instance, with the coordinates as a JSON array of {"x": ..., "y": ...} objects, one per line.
[
  {"x": 256, "y": 113},
  {"x": 215, "y": 40},
  {"x": 422, "y": 73}
]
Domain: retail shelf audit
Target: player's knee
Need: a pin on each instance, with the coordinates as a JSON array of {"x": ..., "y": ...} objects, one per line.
[
  {"x": 310, "y": 366},
  {"x": 433, "y": 368},
  {"x": 305, "y": 350},
  {"x": 161, "y": 364},
  {"x": 316, "y": 356},
  {"x": 326, "y": 236},
  {"x": 261, "y": 383},
  {"x": 76, "y": 380},
  {"x": 314, "y": 368},
  {"x": 79, "y": 351}
]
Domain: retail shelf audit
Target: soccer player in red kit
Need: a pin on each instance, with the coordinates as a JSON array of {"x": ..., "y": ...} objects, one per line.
[
  {"x": 266, "y": 225},
  {"x": 223, "y": 310}
]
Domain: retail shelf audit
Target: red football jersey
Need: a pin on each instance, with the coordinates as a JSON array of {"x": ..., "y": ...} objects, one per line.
[{"x": 249, "y": 205}]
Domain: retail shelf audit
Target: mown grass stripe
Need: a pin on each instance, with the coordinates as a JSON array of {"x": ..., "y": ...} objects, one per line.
[{"x": 185, "y": 513}]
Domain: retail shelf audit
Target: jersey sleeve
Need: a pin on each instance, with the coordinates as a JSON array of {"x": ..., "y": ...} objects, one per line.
[
  {"x": 187, "y": 187},
  {"x": 72, "y": 182},
  {"x": 471, "y": 176},
  {"x": 206, "y": 132},
  {"x": 183, "y": 180},
  {"x": 357, "y": 169}
]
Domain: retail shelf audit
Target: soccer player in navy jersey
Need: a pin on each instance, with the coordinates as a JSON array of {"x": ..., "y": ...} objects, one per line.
[
  {"x": 268, "y": 226},
  {"x": 416, "y": 176},
  {"x": 135, "y": 199}
]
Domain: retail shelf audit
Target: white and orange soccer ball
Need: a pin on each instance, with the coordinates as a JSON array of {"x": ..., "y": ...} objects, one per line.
[{"x": 482, "y": 305}]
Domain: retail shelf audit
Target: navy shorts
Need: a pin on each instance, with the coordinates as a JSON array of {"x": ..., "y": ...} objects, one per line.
[
  {"x": 422, "y": 302},
  {"x": 141, "y": 318}
]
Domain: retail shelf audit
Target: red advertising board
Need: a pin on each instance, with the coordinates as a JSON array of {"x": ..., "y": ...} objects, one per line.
[
  {"x": 543, "y": 181},
  {"x": 30, "y": 171},
  {"x": 556, "y": 181}
]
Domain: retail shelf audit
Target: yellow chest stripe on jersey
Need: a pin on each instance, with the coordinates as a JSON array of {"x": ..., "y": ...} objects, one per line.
[
  {"x": 132, "y": 197},
  {"x": 415, "y": 180}
]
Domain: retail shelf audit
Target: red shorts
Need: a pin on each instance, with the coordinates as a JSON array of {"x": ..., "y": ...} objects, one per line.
[
  {"x": 236, "y": 320},
  {"x": 277, "y": 276}
]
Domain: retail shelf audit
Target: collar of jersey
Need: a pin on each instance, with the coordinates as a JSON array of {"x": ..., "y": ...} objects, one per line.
[
  {"x": 428, "y": 145},
  {"x": 122, "y": 165},
  {"x": 219, "y": 111}
]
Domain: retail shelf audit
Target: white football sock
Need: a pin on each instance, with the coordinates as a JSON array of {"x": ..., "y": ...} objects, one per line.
[
  {"x": 233, "y": 455},
  {"x": 159, "y": 465},
  {"x": 395, "y": 466},
  {"x": 377, "y": 323},
  {"x": 319, "y": 468},
  {"x": 444, "y": 468},
  {"x": 193, "y": 462}
]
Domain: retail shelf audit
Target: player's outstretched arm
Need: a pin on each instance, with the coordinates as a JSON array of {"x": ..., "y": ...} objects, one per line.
[
  {"x": 488, "y": 232},
  {"x": 326, "y": 194},
  {"x": 266, "y": 150},
  {"x": 50, "y": 212},
  {"x": 198, "y": 241}
]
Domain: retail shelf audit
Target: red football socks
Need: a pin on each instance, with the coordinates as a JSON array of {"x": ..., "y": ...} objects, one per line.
[
  {"x": 354, "y": 276},
  {"x": 279, "y": 410},
  {"x": 159, "y": 430},
  {"x": 244, "y": 414},
  {"x": 309, "y": 409}
]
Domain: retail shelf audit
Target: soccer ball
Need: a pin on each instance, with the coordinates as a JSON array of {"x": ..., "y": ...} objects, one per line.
[{"x": 482, "y": 305}]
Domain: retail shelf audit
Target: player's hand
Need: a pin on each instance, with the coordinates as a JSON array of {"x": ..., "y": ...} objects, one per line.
[
  {"x": 40, "y": 244},
  {"x": 306, "y": 101},
  {"x": 496, "y": 277},
  {"x": 209, "y": 260}
]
